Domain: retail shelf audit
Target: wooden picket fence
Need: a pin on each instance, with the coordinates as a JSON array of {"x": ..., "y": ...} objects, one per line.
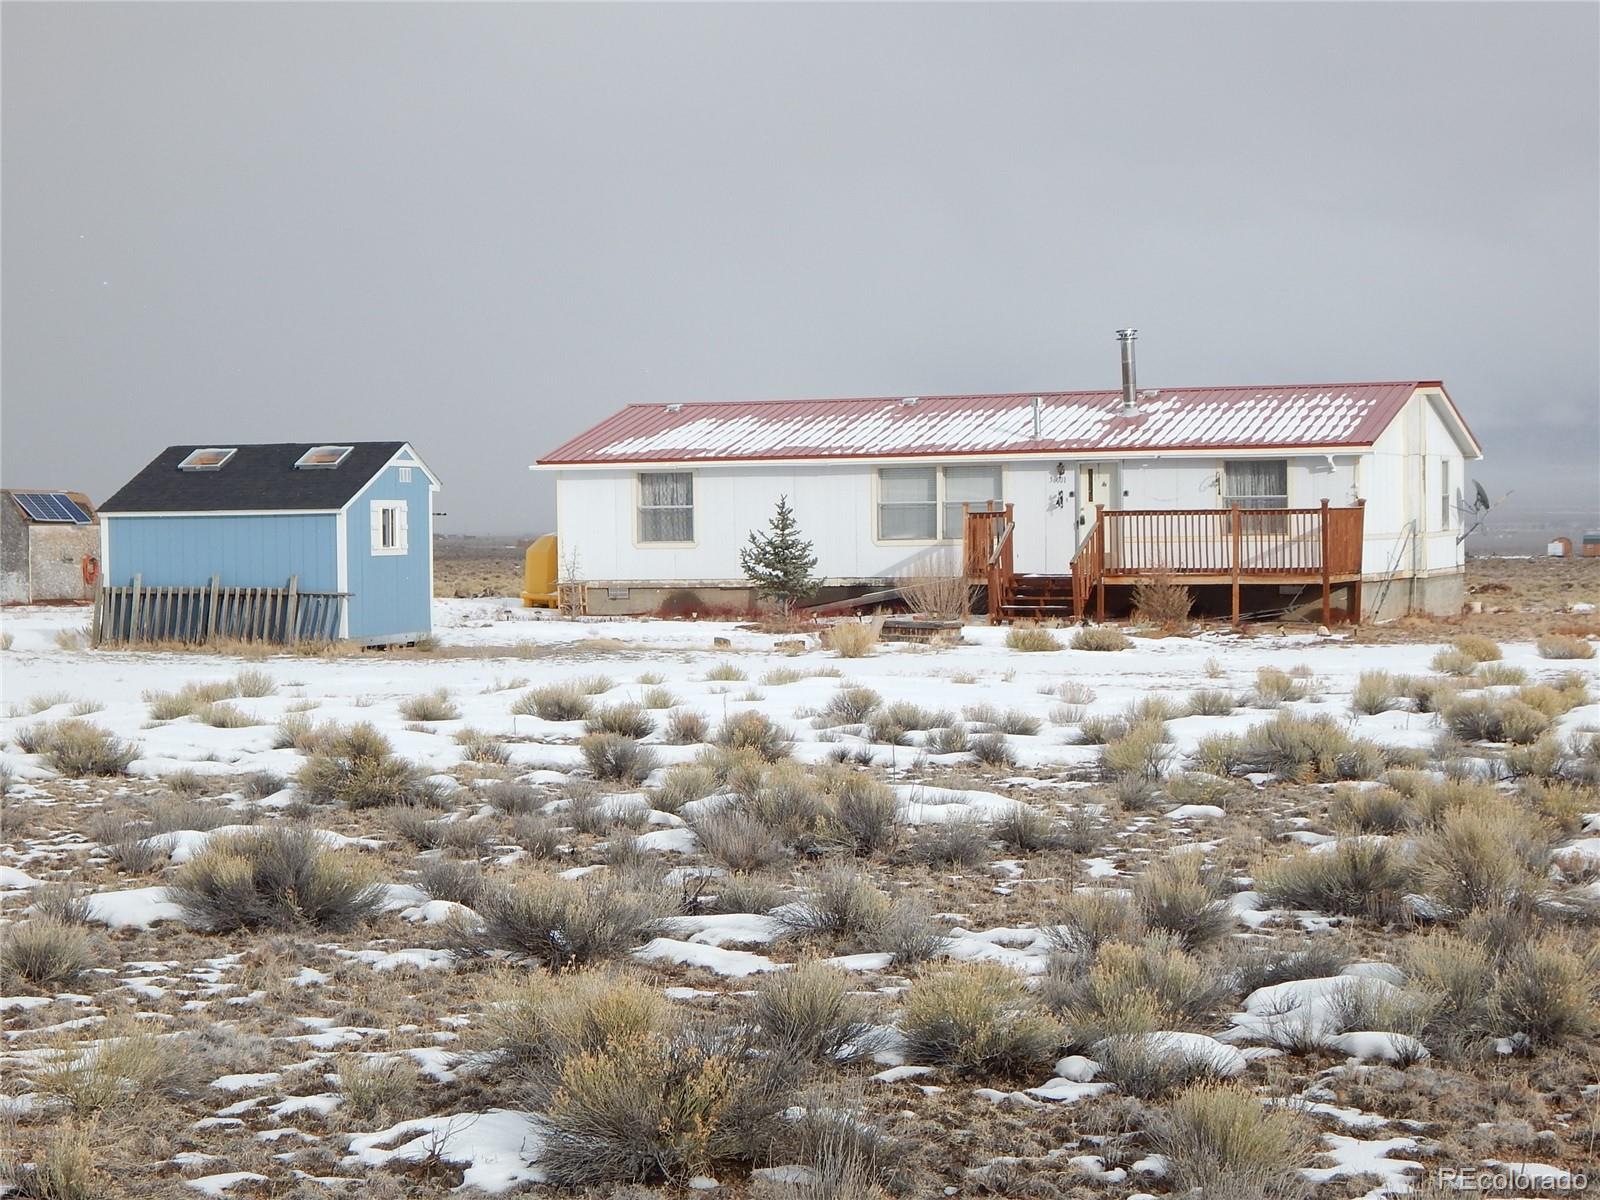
[{"x": 212, "y": 612}]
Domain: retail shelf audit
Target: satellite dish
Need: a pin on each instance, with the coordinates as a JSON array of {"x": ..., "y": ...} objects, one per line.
[
  {"x": 1474, "y": 518},
  {"x": 1481, "y": 504}
]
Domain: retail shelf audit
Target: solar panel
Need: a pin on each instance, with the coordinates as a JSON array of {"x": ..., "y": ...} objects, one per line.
[{"x": 51, "y": 506}]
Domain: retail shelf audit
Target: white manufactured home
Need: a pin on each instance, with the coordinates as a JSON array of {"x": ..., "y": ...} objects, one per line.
[{"x": 1281, "y": 494}]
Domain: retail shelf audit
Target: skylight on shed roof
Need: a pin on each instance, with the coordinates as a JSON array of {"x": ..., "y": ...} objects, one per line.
[
  {"x": 324, "y": 457},
  {"x": 207, "y": 458}
]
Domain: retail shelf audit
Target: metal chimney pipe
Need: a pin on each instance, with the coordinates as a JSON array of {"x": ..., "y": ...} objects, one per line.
[
  {"x": 1130, "y": 383},
  {"x": 1037, "y": 401}
]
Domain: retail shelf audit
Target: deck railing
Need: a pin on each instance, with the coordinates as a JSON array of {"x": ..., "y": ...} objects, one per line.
[
  {"x": 1234, "y": 545},
  {"x": 988, "y": 552},
  {"x": 211, "y": 612}
]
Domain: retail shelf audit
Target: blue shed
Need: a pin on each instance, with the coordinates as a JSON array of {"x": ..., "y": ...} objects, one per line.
[{"x": 225, "y": 528}]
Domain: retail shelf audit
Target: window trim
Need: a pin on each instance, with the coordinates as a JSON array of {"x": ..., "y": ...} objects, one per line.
[
  {"x": 939, "y": 501},
  {"x": 402, "y": 532},
  {"x": 639, "y": 506}
]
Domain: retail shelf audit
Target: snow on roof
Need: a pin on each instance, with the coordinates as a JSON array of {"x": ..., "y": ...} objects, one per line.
[{"x": 1232, "y": 418}]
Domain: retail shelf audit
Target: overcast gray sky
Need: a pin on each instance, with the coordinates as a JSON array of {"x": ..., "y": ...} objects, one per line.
[{"x": 483, "y": 228}]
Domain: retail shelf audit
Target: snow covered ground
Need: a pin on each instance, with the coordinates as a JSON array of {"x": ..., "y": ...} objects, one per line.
[{"x": 303, "y": 1009}]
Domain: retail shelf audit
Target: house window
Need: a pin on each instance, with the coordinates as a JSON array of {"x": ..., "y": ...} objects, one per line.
[
  {"x": 1256, "y": 483},
  {"x": 908, "y": 504},
  {"x": 1444, "y": 493},
  {"x": 389, "y": 527},
  {"x": 975, "y": 486},
  {"x": 405, "y": 474},
  {"x": 666, "y": 506}
]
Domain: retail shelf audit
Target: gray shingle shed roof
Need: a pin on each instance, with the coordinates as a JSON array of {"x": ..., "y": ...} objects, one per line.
[{"x": 260, "y": 478}]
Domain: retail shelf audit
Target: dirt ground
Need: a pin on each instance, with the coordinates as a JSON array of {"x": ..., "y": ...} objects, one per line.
[{"x": 1521, "y": 597}]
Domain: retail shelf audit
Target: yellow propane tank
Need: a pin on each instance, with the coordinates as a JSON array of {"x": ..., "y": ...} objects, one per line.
[{"x": 539, "y": 574}]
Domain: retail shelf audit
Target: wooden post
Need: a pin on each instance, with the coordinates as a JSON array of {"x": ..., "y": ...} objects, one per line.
[
  {"x": 1238, "y": 535},
  {"x": 1100, "y": 557},
  {"x": 133, "y": 621},
  {"x": 211, "y": 612},
  {"x": 1327, "y": 591},
  {"x": 291, "y": 616}
]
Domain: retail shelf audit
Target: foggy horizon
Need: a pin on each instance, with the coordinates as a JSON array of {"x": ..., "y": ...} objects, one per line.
[{"x": 484, "y": 228}]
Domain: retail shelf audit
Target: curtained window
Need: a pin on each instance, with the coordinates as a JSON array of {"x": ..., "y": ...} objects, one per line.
[
  {"x": 666, "y": 506},
  {"x": 1256, "y": 483}
]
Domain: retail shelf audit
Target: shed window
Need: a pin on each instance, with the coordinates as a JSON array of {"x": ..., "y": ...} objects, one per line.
[
  {"x": 908, "y": 504},
  {"x": 323, "y": 457},
  {"x": 975, "y": 486},
  {"x": 666, "y": 506},
  {"x": 1444, "y": 493},
  {"x": 1256, "y": 483},
  {"x": 207, "y": 458},
  {"x": 389, "y": 535}
]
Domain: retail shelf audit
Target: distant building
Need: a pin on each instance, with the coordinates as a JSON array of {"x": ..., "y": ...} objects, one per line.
[
  {"x": 49, "y": 546},
  {"x": 351, "y": 522},
  {"x": 1560, "y": 547},
  {"x": 655, "y": 502}
]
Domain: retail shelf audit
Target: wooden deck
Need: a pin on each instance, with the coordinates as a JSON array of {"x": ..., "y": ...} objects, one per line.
[{"x": 1231, "y": 547}]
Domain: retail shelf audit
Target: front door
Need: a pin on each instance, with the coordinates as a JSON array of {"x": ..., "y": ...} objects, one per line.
[{"x": 1097, "y": 484}]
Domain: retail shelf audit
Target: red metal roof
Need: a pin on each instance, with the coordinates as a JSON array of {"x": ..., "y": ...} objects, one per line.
[{"x": 1321, "y": 415}]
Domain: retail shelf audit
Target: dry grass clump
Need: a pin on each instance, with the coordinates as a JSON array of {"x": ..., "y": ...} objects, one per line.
[
  {"x": 430, "y": 706},
  {"x": 980, "y": 1020},
  {"x": 1483, "y": 858},
  {"x": 483, "y": 748},
  {"x": 66, "y": 1167},
  {"x": 937, "y": 587},
  {"x": 1087, "y": 920},
  {"x": 1182, "y": 896},
  {"x": 810, "y": 1012},
  {"x": 685, "y": 727},
  {"x": 1030, "y": 638},
  {"x": 1451, "y": 661},
  {"x": 726, "y": 672},
  {"x": 1011, "y": 720},
  {"x": 840, "y": 902},
  {"x": 1357, "y": 877},
  {"x": 754, "y": 731},
  {"x": 629, "y": 720},
  {"x": 1026, "y": 829},
  {"x": 357, "y": 767},
  {"x": 564, "y": 923},
  {"x": 1498, "y": 674},
  {"x": 852, "y": 639},
  {"x": 222, "y": 715},
  {"x": 1221, "y": 1140},
  {"x": 682, "y": 783},
  {"x": 1100, "y": 637},
  {"x": 1133, "y": 988},
  {"x": 45, "y": 952},
  {"x": 1309, "y": 749},
  {"x": 127, "y": 1066},
  {"x": 451, "y": 879},
  {"x": 1162, "y": 601},
  {"x": 1477, "y": 647},
  {"x": 960, "y": 843},
  {"x": 992, "y": 750},
  {"x": 657, "y": 698},
  {"x": 254, "y": 684},
  {"x": 614, "y": 756},
  {"x": 1210, "y": 702},
  {"x": 1559, "y": 645},
  {"x": 1375, "y": 692},
  {"x": 892, "y": 723},
  {"x": 865, "y": 812},
  {"x": 1374, "y": 810},
  {"x": 280, "y": 876},
  {"x": 850, "y": 705},
  {"x": 1494, "y": 719},
  {"x": 78, "y": 748},
  {"x": 1142, "y": 752},
  {"x": 1274, "y": 687},
  {"x": 738, "y": 840},
  {"x": 554, "y": 702},
  {"x": 171, "y": 706}
]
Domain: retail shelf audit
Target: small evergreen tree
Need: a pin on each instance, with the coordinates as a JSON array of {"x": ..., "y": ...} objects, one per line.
[{"x": 780, "y": 562}]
